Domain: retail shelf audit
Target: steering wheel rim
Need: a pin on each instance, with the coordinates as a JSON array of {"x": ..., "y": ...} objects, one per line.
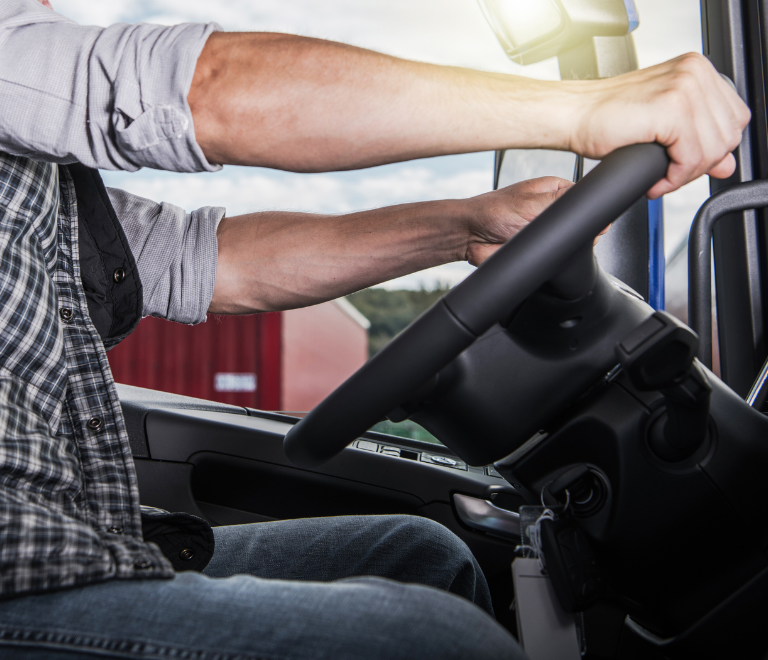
[{"x": 527, "y": 261}]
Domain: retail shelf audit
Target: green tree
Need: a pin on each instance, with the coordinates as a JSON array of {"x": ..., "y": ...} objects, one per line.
[{"x": 390, "y": 312}]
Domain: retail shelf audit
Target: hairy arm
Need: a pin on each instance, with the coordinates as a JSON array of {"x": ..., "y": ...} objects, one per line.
[
  {"x": 275, "y": 260},
  {"x": 309, "y": 105}
]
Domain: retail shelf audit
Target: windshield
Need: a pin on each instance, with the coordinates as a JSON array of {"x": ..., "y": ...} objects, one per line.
[{"x": 290, "y": 361}]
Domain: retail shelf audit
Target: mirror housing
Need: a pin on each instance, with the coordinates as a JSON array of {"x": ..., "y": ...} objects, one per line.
[{"x": 534, "y": 30}]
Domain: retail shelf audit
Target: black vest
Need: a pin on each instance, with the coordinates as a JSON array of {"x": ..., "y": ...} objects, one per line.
[
  {"x": 107, "y": 267},
  {"x": 113, "y": 290}
]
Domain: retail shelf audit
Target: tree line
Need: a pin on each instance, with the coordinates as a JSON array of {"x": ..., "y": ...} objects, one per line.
[{"x": 390, "y": 312}]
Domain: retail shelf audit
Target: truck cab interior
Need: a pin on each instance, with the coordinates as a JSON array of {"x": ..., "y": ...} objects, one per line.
[{"x": 552, "y": 369}]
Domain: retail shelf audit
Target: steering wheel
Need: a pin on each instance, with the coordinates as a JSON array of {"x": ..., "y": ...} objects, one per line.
[{"x": 528, "y": 260}]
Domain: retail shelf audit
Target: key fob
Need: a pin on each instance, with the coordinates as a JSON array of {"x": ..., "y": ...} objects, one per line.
[{"x": 571, "y": 565}]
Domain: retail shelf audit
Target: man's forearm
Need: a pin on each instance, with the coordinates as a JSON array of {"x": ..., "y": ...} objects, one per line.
[
  {"x": 309, "y": 105},
  {"x": 275, "y": 260}
]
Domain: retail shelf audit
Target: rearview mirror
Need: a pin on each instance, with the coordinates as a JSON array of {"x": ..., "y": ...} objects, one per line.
[
  {"x": 534, "y": 30},
  {"x": 516, "y": 165}
]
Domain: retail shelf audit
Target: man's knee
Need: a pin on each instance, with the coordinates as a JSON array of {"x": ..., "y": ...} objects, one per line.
[
  {"x": 433, "y": 624},
  {"x": 430, "y": 543},
  {"x": 426, "y": 534}
]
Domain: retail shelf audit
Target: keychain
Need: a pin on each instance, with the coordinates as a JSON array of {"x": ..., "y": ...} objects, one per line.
[
  {"x": 545, "y": 630},
  {"x": 563, "y": 551}
]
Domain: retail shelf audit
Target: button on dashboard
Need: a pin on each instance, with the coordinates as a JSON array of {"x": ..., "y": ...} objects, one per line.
[
  {"x": 366, "y": 445},
  {"x": 445, "y": 461}
]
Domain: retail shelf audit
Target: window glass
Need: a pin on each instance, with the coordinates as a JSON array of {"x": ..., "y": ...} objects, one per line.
[{"x": 522, "y": 164}]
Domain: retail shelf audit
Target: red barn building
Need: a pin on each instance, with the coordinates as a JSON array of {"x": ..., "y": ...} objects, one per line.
[{"x": 279, "y": 361}]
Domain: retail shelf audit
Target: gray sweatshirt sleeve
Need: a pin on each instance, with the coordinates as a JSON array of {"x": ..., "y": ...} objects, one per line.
[
  {"x": 175, "y": 253},
  {"x": 110, "y": 98}
]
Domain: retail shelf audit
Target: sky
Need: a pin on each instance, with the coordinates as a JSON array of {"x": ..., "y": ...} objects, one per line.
[{"x": 440, "y": 31}]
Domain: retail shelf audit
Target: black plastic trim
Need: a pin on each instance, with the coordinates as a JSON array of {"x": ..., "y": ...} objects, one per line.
[
  {"x": 138, "y": 401},
  {"x": 737, "y": 244},
  {"x": 750, "y": 195},
  {"x": 178, "y": 436},
  {"x": 383, "y": 438}
]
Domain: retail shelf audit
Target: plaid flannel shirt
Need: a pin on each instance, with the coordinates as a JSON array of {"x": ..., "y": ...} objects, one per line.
[
  {"x": 111, "y": 98},
  {"x": 69, "y": 507}
]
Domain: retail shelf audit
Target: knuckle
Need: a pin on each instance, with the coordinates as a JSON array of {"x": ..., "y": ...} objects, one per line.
[
  {"x": 735, "y": 139},
  {"x": 695, "y": 63},
  {"x": 745, "y": 115}
]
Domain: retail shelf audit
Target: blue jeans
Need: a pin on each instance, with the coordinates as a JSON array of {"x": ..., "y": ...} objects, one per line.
[{"x": 297, "y": 589}]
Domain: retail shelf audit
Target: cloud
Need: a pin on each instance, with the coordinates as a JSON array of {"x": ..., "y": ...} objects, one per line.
[
  {"x": 244, "y": 190},
  {"x": 667, "y": 29}
]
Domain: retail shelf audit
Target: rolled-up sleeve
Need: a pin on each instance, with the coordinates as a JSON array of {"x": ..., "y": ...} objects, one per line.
[
  {"x": 110, "y": 98},
  {"x": 175, "y": 252}
]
